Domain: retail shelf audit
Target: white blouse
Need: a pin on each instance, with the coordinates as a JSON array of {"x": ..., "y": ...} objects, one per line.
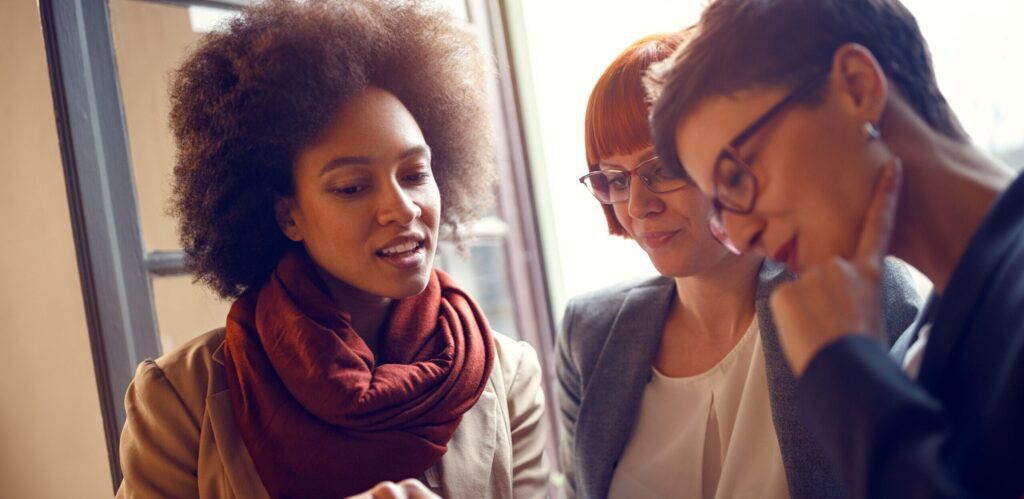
[{"x": 706, "y": 436}]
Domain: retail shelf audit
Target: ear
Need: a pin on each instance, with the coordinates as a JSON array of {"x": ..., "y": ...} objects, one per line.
[
  {"x": 283, "y": 208},
  {"x": 859, "y": 78}
]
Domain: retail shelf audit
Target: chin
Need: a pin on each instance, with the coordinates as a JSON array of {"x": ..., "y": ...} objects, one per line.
[{"x": 410, "y": 288}]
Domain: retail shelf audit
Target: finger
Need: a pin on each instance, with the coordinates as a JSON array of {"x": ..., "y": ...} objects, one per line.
[
  {"x": 415, "y": 489},
  {"x": 880, "y": 217},
  {"x": 386, "y": 490}
]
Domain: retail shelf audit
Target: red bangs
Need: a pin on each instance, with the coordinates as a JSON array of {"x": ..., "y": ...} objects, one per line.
[{"x": 617, "y": 112}]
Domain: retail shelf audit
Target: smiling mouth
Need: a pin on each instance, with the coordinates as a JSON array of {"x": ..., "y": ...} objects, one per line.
[
  {"x": 405, "y": 256},
  {"x": 401, "y": 249},
  {"x": 657, "y": 239}
]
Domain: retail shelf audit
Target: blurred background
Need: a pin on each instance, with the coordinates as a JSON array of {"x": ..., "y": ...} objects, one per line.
[{"x": 91, "y": 276}]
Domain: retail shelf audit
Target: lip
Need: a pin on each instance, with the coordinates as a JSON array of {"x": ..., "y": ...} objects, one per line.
[
  {"x": 408, "y": 260},
  {"x": 401, "y": 239},
  {"x": 658, "y": 239},
  {"x": 788, "y": 254}
]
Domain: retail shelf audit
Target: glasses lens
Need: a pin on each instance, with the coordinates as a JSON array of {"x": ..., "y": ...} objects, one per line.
[
  {"x": 717, "y": 227},
  {"x": 597, "y": 184},
  {"x": 734, "y": 185},
  {"x": 608, "y": 186},
  {"x": 659, "y": 177}
]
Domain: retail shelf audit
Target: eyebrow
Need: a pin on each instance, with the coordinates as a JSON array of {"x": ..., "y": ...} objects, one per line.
[
  {"x": 342, "y": 161},
  {"x": 650, "y": 154}
]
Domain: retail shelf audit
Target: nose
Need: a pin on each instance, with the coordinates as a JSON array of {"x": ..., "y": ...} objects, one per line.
[
  {"x": 744, "y": 231},
  {"x": 642, "y": 202},
  {"x": 396, "y": 206}
]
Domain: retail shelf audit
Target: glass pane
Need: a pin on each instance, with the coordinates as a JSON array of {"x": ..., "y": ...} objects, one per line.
[
  {"x": 185, "y": 310},
  {"x": 150, "y": 40},
  {"x": 483, "y": 273},
  {"x": 51, "y": 424}
]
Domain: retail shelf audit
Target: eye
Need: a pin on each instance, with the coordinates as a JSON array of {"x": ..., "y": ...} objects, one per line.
[
  {"x": 662, "y": 173},
  {"x": 617, "y": 182},
  {"x": 734, "y": 179},
  {"x": 731, "y": 176},
  {"x": 420, "y": 177},
  {"x": 350, "y": 191}
]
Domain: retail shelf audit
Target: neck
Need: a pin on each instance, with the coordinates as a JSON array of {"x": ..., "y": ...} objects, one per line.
[
  {"x": 948, "y": 188},
  {"x": 720, "y": 301},
  {"x": 367, "y": 312}
]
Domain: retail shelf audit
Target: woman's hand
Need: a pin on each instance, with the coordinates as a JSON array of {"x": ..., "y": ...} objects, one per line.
[
  {"x": 406, "y": 489},
  {"x": 840, "y": 297}
]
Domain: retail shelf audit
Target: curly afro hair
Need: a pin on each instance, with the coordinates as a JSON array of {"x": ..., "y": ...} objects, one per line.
[{"x": 251, "y": 96}]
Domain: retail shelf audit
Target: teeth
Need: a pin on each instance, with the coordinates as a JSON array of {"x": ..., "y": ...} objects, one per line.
[{"x": 401, "y": 248}]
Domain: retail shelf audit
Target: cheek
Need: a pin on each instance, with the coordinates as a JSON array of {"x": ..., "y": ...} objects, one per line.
[
  {"x": 696, "y": 204},
  {"x": 429, "y": 201},
  {"x": 621, "y": 211}
]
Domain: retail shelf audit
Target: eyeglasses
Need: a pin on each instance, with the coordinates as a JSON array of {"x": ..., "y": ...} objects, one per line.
[
  {"x": 734, "y": 184},
  {"x": 611, "y": 186}
]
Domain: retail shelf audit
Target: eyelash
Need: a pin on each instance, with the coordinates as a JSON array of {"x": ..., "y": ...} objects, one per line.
[{"x": 418, "y": 178}]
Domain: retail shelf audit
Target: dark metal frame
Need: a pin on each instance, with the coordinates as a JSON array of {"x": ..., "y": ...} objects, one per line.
[{"x": 101, "y": 200}]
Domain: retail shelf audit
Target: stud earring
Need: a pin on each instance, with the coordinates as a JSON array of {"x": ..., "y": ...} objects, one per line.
[{"x": 871, "y": 131}]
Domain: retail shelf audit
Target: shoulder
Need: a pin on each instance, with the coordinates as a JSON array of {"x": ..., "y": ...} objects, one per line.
[
  {"x": 165, "y": 408},
  {"x": 615, "y": 294},
  {"x": 188, "y": 373},
  {"x": 598, "y": 309},
  {"x": 516, "y": 359}
]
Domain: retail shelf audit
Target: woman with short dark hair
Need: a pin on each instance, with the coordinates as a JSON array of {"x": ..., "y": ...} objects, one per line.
[
  {"x": 819, "y": 133},
  {"x": 321, "y": 147}
]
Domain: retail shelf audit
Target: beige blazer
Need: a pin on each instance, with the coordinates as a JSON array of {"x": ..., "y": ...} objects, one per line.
[{"x": 180, "y": 438}]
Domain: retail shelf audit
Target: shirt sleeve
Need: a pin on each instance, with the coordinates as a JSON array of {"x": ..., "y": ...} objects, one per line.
[
  {"x": 884, "y": 433},
  {"x": 160, "y": 440}
]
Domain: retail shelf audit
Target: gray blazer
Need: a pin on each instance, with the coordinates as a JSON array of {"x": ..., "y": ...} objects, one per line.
[{"x": 605, "y": 351}]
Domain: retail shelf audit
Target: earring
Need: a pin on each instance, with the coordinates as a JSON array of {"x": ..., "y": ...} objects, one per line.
[{"x": 871, "y": 131}]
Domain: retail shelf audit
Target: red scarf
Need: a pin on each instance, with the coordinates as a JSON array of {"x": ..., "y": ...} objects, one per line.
[{"x": 320, "y": 415}]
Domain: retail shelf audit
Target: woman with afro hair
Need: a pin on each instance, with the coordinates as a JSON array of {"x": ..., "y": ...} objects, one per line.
[{"x": 321, "y": 148}]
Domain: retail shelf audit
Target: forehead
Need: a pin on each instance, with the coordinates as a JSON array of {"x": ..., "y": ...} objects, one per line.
[
  {"x": 713, "y": 124},
  {"x": 370, "y": 119},
  {"x": 627, "y": 160}
]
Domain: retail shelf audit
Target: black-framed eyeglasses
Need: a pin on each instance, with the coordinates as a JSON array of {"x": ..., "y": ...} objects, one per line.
[
  {"x": 734, "y": 184},
  {"x": 611, "y": 185}
]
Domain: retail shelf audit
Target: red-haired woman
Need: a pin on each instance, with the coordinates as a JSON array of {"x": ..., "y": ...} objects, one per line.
[{"x": 676, "y": 386}]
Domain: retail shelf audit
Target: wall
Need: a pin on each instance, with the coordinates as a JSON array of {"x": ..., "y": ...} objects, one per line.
[{"x": 51, "y": 436}]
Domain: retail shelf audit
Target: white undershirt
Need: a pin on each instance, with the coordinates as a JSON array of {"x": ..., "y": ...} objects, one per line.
[
  {"x": 706, "y": 436},
  {"x": 915, "y": 354}
]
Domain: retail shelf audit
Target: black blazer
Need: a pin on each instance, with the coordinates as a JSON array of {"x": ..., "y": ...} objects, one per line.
[{"x": 959, "y": 430}]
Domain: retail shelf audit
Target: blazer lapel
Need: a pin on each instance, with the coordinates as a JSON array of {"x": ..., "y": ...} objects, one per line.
[
  {"x": 466, "y": 469},
  {"x": 238, "y": 465},
  {"x": 608, "y": 409},
  {"x": 994, "y": 238}
]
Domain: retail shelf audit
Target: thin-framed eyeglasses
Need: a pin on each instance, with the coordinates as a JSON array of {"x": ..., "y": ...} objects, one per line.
[
  {"x": 734, "y": 184},
  {"x": 612, "y": 185}
]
